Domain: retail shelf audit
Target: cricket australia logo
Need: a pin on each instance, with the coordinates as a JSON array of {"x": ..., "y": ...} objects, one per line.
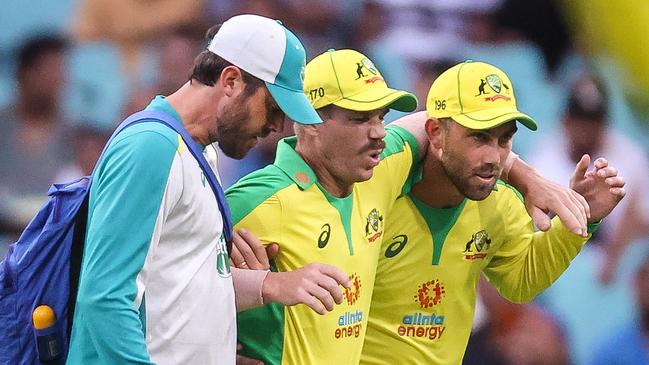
[
  {"x": 496, "y": 85},
  {"x": 222, "y": 259},
  {"x": 478, "y": 243},
  {"x": 374, "y": 226},
  {"x": 367, "y": 64}
]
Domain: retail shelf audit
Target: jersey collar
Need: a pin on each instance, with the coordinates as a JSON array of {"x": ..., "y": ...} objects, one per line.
[{"x": 289, "y": 161}]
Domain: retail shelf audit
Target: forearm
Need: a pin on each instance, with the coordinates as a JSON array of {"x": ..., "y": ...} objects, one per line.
[
  {"x": 507, "y": 166},
  {"x": 112, "y": 325},
  {"x": 546, "y": 256},
  {"x": 248, "y": 287},
  {"x": 415, "y": 124},
  {"x": 518, "y": 173}
]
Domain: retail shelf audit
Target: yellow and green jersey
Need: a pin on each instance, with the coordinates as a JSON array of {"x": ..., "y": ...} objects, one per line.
[
  {"x": 430, "y": 264},
  {"x": 284, "y": 203}
]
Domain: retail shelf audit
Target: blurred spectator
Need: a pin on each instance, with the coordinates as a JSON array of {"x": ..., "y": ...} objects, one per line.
[
  {"x": 132, "y": 23},
  {"x": 595, "y": 285},
  {"x": 369, "y": 36},
  {"x": 88, "y": 141},
  {"x": 325, "y": 25},
  {"x": 220, "y": 10},
  {"x": 630, "y": 344},
  {"x": 34, "y": 138},
  {"x": 550, "y": 33},
  {"x": 320, "y": 25},
  {"x": 412, "y": 26},
  {"x": 515, "y": 334},
  {"x": 174, "y": 52},
  {"x": 427, "y": 72},
  {"x": 586, "y": 130}
]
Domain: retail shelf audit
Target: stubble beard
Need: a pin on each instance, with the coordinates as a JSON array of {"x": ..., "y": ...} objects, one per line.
[
  {"x": 453, "y": 168},
  {"x": 232, "y": 138}
]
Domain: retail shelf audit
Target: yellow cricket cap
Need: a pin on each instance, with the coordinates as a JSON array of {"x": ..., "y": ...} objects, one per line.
[
  {"x": 348, "y": 79},
  {"x": 476, "y": 95}
]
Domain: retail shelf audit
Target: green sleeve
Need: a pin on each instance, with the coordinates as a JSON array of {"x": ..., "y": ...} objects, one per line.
[
  {"x": 528, "y": 262},
  {"x": 398, "y": 140},
  {"x": 256, "y": 207},
  {"x": 254, "y": 189},
  {"x": 395, "y": 139}
]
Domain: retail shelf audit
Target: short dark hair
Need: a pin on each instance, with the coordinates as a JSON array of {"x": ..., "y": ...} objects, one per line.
[
  {"x": 208, "y": 67},
  {"x": 588, "y": 99},
  {"x": 36, "y": 47}
]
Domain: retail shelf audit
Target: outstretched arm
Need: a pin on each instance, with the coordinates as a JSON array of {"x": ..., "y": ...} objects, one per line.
[{"x": 529, "y": 262}]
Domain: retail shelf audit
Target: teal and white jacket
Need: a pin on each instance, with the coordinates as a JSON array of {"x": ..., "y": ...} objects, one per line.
[{"x": 155, "y": 282}]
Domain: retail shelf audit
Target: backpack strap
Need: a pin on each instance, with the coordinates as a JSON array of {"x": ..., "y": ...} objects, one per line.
[
  {"x": 76, "y": 255},
  {"x": 173, "y": 123}
]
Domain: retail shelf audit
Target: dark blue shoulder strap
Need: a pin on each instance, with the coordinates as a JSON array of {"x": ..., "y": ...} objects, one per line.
[{"x": 170, "y": 121}]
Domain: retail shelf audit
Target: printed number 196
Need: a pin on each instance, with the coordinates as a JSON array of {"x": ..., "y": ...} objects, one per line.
[{"x": 440, "y": 104}]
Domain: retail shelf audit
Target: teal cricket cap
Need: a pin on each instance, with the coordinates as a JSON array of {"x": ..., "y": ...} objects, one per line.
[{"x": 264, "y": 48}]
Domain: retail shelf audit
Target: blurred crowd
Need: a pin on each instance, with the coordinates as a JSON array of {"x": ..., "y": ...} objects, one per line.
[{"x": 70, "y": 70}]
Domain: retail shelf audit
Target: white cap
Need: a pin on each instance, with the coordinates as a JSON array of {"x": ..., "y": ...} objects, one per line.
[{"x": 267, "y": 50}]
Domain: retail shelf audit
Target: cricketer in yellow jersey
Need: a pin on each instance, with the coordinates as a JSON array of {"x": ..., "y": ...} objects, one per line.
[
  {"x": 325, "y": 200},
  {"x": 460, "y": 221}
]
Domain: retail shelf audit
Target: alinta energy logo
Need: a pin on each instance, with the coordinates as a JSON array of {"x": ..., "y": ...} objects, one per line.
[
  {"x": 430, "y": 293},
  {"x": 422, "y": 325},
  {"x": 350, "y": 324},
  {"x": 425, "y": 325}
]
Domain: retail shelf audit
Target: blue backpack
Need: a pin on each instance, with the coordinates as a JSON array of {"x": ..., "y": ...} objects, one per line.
[{"x": 43, "y": 266}]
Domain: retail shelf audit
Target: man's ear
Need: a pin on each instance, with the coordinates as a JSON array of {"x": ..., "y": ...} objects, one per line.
[
  {"x": 435, "y": 134},
  {"x": 231, "y": 81}
]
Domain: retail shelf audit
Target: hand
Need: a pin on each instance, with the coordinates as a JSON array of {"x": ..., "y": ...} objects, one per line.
[
  {"x": 249, "y": 253},
  {"x": 242, "y": 360},
  {"x": 602, "y": 187},
  {"x": 316, "y": 285},
  {"x": 543, "y": 196}
]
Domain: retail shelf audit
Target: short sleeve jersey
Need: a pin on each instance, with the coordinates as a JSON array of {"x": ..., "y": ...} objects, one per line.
[
  {"x": 284, "y": 203},
  {"x": 430, "y": 265}
]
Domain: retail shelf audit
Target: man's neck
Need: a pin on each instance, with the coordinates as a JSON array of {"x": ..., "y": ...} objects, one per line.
[
  {"x": 435, "y": 188},
  {"x": 189, "y": 104},
  {"x": 325, "y": 177}
]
